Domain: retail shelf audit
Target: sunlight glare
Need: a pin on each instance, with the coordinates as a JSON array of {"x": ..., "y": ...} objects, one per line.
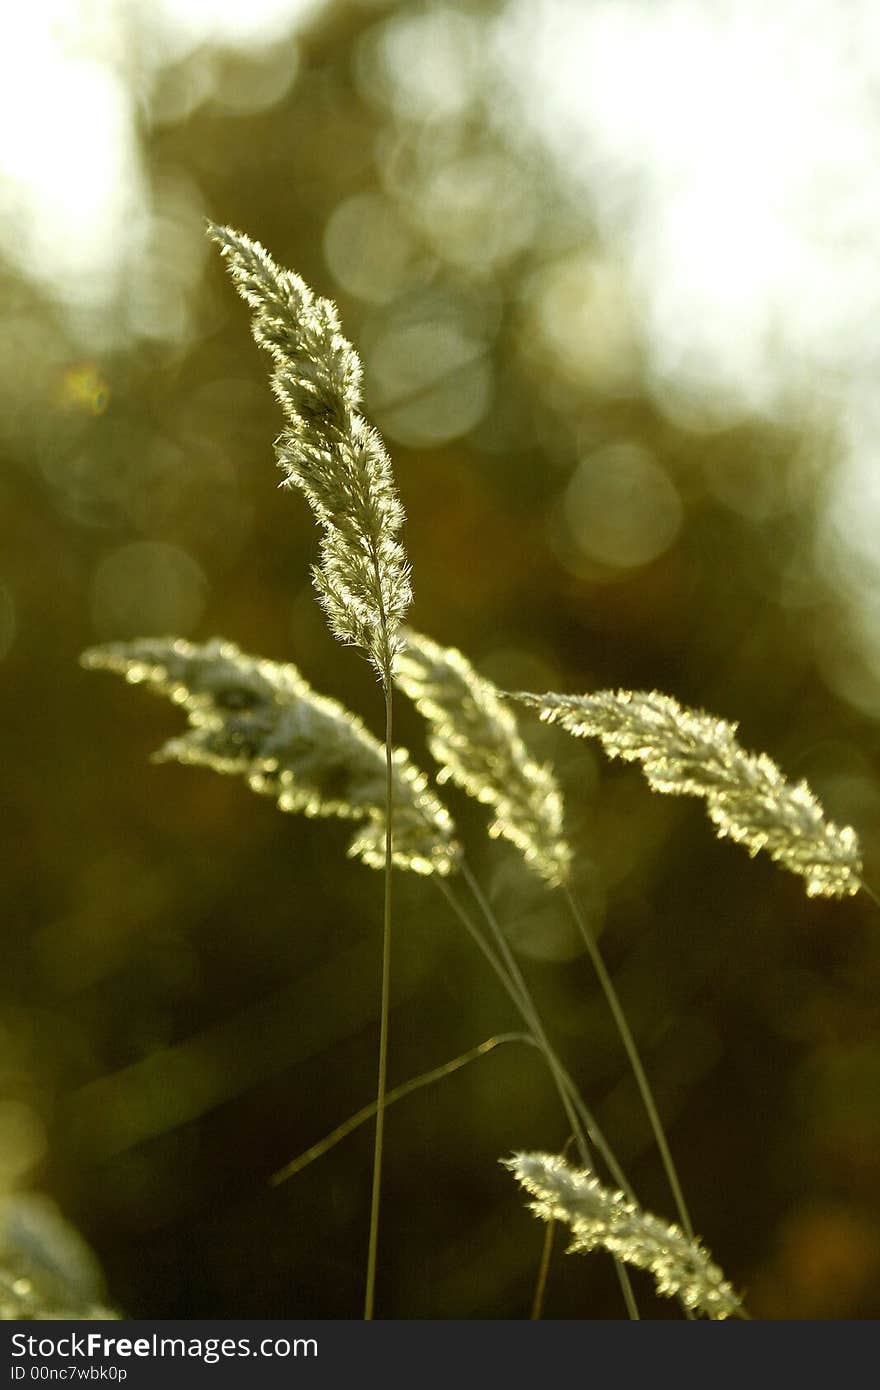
[
  {"x": 70, "y": 180},
  {"x": 726, "y": 157},
  {"x": 75, "y": 77}
]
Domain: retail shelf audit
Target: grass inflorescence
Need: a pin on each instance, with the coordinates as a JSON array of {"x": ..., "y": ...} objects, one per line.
[{"x": 260, "y": 720}]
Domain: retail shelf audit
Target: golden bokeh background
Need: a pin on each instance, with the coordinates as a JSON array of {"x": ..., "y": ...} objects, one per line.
[{"x": 613, "y": 272}]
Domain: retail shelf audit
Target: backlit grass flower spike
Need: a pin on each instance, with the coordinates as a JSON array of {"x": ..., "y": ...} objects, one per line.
[
  {"x": 330, "y": 452},
  {"x": 600, "y": 1218},
  {"x": 262, "y": 721},
  {"x": 687, "y": 752},
  {"x": 475, "y": 739}
]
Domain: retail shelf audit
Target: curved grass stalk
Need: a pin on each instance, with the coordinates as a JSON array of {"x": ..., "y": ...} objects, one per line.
[
  {"x": 629, "y": 1044},
  {"x": 635, "y": 1062},
  {"x": 581, "y": 1120},
  {"x": 579, "y": 1117},
  {"x": 407, "y": 1088},
  {"x": 475, "y": 738}
]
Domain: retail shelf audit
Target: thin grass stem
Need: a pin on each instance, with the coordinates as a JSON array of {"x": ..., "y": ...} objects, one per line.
[
  {"x": 407, "y": 1088},
  {"x": 384, "y": 1013},
  {"x": 543, "y": 1273},
  {"x": 546, "y": 1256},
  {"x": 613, "y": 1000},
  {"x": 579, "y": 1117}
]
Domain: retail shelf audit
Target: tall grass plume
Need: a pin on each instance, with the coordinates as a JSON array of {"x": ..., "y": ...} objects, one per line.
[
  {"x": 262, "y": 721},
  {"x": 475, "y": 739},
  {"x": 600, "y": 1218},
  {"x": 687, "y": 752},
  {"x": 329, "y": 451},
  {"x": 339, "y": 462}
]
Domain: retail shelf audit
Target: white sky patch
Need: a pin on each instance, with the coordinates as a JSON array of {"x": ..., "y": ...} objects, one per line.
[
  {"x": 75, "y": 210},
  {"x": 728, "y": 153},
  {"x": 237, "y": 23},
  {"x": 69, "y": 175}
]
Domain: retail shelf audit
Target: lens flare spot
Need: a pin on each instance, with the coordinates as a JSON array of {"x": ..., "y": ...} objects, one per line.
[
  {"x": 621, "y": 509},
  {"x": 83, "y": 387}
]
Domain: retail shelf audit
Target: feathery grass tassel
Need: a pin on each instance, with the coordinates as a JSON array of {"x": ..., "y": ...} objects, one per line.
[
  {"x": 600, "y": 1218},
  {"x": 690, "y": 753},
  {"x": 330, "y": 452},
  {"x": 262, "y": 721},
  {"x": 475, "y": 739}
]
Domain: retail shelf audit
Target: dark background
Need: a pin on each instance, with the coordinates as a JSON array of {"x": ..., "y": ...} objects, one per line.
[{"x": 189, "y": 988}]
